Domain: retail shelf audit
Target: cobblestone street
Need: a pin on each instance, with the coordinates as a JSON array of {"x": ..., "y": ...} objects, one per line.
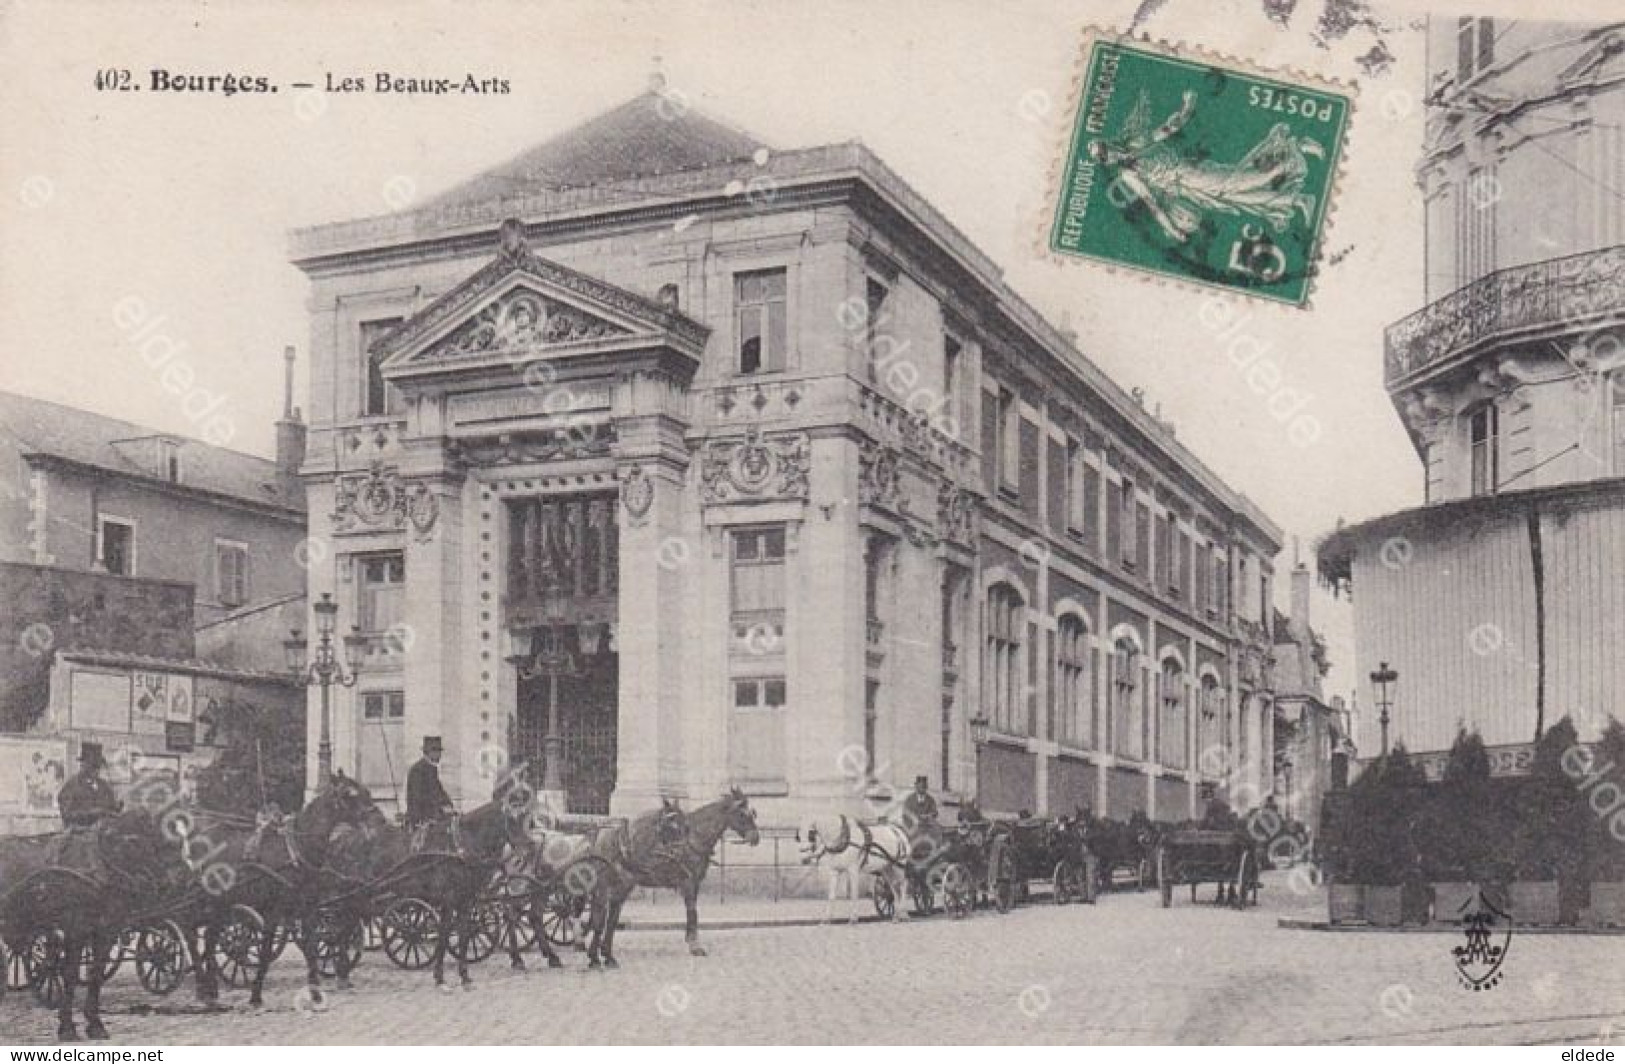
[{"x": 1123, "y": 971}]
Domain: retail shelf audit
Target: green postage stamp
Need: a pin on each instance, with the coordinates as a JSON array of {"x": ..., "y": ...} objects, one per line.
[{"x": 1200, "y": 171}]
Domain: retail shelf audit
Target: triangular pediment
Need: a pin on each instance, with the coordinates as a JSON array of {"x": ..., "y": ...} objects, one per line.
[{"x": 520, "y": 306}]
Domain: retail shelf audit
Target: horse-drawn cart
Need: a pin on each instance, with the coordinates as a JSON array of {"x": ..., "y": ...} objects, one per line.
[
  {"x": 1227, "y": 859},
  {"x": 1051, "y": 852}
]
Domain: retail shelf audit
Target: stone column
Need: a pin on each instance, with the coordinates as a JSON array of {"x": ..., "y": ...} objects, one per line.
[{"x": 438, "y": 700}]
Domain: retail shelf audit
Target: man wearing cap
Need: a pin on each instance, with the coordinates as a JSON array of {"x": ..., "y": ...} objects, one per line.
[
  {"x": 86, "y": 797},
  {"x": 426, "y": 799}
]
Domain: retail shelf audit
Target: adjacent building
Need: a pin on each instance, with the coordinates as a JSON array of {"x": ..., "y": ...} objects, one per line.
[
  {"x": 671, "y": 462},
  {"x": 1500, "y": 600},
  {"x": 124, "y": 553}
]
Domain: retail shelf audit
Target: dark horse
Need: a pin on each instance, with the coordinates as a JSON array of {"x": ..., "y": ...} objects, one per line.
[
  {"x": 82, "y": 888},
  {"x": 447, "y": 865},
  {"x": 268, "y": 871},
  {"x": 644, "y": 854}
]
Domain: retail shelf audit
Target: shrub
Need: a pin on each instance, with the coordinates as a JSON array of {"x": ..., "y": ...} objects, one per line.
[
  {"x": 1377, "y": 845},
  {"x": 1607, "y": 848}
]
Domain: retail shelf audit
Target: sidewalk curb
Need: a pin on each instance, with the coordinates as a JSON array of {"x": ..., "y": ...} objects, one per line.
[{"x": 1293, "y": 924}]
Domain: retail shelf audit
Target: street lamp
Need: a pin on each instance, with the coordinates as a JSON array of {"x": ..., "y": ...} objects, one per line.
[
  {"x": 325, "y": 670},
  {"x": 1381, "y": 679},
  {"x": 542, "y": 652}
]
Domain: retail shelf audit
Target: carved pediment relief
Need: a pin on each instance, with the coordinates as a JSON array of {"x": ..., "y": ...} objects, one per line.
[
  {"x": 521, "y": 320},
  {"x": 520, "y": 303}
]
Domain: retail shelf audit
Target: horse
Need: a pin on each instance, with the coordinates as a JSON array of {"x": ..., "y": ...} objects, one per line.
[
  {"x": 645, "y": 853},
  {"x": 846, "y": 849},
  {"x": 271, "y": 867},
  {"x": 446, "y": 864},
  {"x": 563, "y": 874},
  {"x": 82, "y": 888}
]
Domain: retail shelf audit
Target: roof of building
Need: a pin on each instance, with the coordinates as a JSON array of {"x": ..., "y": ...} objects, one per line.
[
  {"x": 650, "y": 135},
  {"x": 185, "y": 666},
  {"x": 53, "y": 430},
  {"x": 1335, "y": 553}
]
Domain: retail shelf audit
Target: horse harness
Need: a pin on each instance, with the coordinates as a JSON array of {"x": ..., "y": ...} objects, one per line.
[{"x": 866, "y": 848}]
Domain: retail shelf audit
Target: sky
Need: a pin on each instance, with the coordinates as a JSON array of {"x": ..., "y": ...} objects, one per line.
[{"x": 177, "y": 206}]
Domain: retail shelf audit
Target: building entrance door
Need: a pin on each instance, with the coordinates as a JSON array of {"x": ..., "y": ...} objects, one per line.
[{"x": 562, "y": 590}]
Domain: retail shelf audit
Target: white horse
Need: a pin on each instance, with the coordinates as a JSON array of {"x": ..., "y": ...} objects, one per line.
[{"x": 848, "y": 849}]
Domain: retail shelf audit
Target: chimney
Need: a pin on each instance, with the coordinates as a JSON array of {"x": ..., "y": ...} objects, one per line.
[
  {"x": 290, "y": 432},
  {"x": 1300, "y": 593}
]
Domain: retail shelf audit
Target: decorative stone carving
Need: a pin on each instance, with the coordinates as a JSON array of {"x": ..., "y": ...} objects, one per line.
[
  {"x": 879, "y": 481},
  {"x": 756, "y": 466},
  {"x": 637, "y": 494},
  {"x": 592, "y": 440},
  {"x": 522, "y": 319},
  {"x": 380, "y": 501},
  {"x": 956, "y": 513}
]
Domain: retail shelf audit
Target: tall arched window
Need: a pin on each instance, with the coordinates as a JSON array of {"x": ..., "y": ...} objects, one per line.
[
  {"x": 1002, "y": 679},
  {"x": 1074, "y": 691},
  {"x": 1171, "y": 741},
  {"x": 1210, "y": 726},
  {"x": 1127, "y": 722}
]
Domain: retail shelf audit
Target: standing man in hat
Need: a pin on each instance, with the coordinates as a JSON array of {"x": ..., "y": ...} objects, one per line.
[
  {"x": 86, "y": 797},
  {"x": 426, "y": 798}
]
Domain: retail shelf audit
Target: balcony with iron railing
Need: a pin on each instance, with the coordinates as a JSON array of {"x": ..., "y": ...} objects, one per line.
[{"x": 1547, "y": 298}]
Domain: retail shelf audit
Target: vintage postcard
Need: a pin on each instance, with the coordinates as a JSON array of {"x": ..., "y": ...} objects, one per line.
[{"x": 711, "y": 525}]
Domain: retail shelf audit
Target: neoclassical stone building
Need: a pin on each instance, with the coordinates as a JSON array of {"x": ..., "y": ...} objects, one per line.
[{"x": 697, "y": 464}]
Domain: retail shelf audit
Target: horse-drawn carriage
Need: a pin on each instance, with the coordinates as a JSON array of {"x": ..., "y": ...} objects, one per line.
[
  {"x": 1053, "y": 852},
  {"x": 1227, "y": 858}
]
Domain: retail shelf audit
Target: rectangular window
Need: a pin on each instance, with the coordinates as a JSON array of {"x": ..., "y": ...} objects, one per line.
[
  {"x": 949, "y": 410},
  {"x": 756, "y": 654},
  {"x": 1221, "y": 585},
  {"x": 1074, "y": 485},
  {"x": 1475, "y": 48},
  {"x": 115, "y": 545},
  {"x": 1182, "y": 565},
  {"x": 1484, "y": 437},
  {"x": 381, "y": 599},
  {"x": 875, "y": 296},
  {"x": 1142, "y": 545},
  {"x": 1091, "y": 506},
  {"x": 1617, "y": 402},
  {"x": 758, "y": 570},
  {"x": 380, "y": 748},
  {"x": 1128, "y": 521},
  {"x": 1009, "y": 442},
  {"x": 760, "y": 320},
  {"x": 381, "y": 397},
  {"x": 230, "y": 572},
  {"x": 1164, "y": 552}
]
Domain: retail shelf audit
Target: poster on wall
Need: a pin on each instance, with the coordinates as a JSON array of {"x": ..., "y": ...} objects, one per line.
[
  {"x": 99, "y": 700},
  {"x": 32, "y": 771},
  {"x": 149, "y": 702},
  {"x": 147, "y": 768}
]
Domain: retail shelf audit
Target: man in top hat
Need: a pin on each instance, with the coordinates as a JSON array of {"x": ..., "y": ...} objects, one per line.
[
  {"x": 426, "y": 798},
  {"x": 920, "y": 807},
  {"x": 86, "y": 797}
]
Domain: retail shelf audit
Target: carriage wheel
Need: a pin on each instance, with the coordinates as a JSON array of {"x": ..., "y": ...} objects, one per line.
[
  {"x": 336, "y": 939},
  {"x": 1245, "y": 890},
  {"x": 1002, "y": 875},
  {"x": 516, "y": 897},
  {"x": 1164, "y": 880},
  {"x": 1065, "y": 882},
  {"x": 160, "y": 957},
  {"x": 486, "y": 926},
  {"x": 560, "y": 912},
  {"x": 921, "y": 896},
  {"x": 884, "y": 900},
  {"x": 238, "y": 946},
  {"x": 957, "y": 896},
  {"x": 411, "y": 931},
  {"x": 372, "y": 933}
]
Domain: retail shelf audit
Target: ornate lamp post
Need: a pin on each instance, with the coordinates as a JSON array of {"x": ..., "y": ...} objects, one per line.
[
  {"x": 978, "y": 738},
  {"x": 1381, "y": 679},
  {"x": 324, "y": 670},
  {"x": 544, "y": 652}
]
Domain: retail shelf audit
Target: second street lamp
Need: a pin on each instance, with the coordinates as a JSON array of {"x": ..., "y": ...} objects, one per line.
[
  {"x": 323, "y": 670},
  {"x": 1381, "y": 679}
]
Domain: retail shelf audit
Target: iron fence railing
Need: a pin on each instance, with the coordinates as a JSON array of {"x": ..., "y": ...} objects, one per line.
[{"x": 1572, "y": 291}]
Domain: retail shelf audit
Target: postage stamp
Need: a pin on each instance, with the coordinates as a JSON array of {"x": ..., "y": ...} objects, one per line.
[{"x": 1185, "y": 166}]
